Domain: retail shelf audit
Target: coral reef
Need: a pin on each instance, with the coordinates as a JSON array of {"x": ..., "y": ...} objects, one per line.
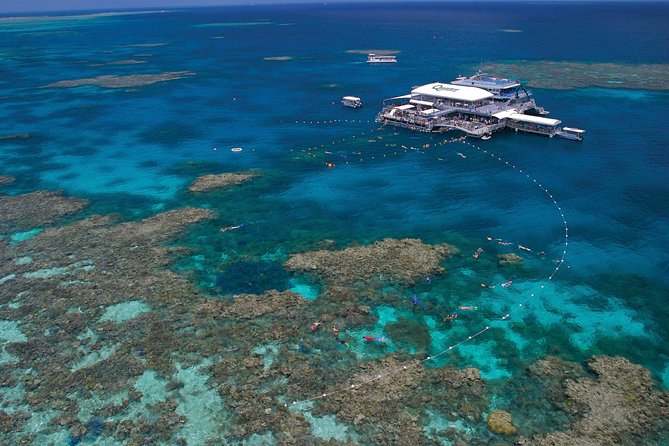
[
  {"x": 206, "y": 183},
  {"x": 510, "y": 259},
  {"x": 14, "y": 136},
  {"x": 501, "y": 422},
  {"x": 126, "y": 62},
  {"x": 147, "y": 45},
  {"x": 36, "y": 209},
  {"x": 566, "y": 75},
  {"x": 619, "y": 407},
  {"x": 114, "y": 81},
  {"x": 402, "y": 261},
  {"x": 69, "y": 353},
  {"x": 6, "y": 179},
  {"x": 102, "y": 339}
]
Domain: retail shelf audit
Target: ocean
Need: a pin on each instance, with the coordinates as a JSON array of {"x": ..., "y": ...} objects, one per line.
[{"x": 152, "y": 333}]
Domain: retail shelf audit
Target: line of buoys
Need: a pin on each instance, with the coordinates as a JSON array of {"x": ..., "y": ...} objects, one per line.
[
  {"x": 504, "y": 317},
  {"x": 332, "y": 121}
]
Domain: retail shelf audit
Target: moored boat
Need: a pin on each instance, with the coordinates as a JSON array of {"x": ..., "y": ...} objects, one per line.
[
  {"x": 351, "y": 101},
  {"x": 571, "y": 133},
  {"x": 381, "y": 58}
]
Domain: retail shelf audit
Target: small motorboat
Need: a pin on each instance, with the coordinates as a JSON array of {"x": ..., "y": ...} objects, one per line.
[
  {"x": 351, "y": 101},
  {"x": 571, "y": 133}
]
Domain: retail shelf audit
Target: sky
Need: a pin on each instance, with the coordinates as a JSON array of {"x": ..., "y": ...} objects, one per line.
[{"x": 36, "y": 6}]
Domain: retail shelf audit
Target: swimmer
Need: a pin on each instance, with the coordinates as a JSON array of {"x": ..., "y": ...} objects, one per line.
[
  {"x": 524, "y": 248},
  {"x": 507, "y": 284},
  {"x": 380, "y": 340},
  {"x": 315, "y": 326},
  {"x": 428, "y": 280},
  {"x": 343, "y": 342},
  {"x": 542, "y": 254},
  {"x": 477, "y": 253},
  {"x": 415, "y": 301},
  {"x": 230, "y": 228},
  {"x": 489, "y": 238},
  {"x": 451, "y": 317},
  {"x": 468, "y": 308},
  {"x": 335, "y": 332},
  {"x": 461, "y": 155},
  {"x": 505, "y": 243},
  {"x": 483, "y": 285}
]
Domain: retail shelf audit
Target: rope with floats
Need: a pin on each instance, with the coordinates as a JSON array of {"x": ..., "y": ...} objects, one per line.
[{"x": 500, "y": 318}]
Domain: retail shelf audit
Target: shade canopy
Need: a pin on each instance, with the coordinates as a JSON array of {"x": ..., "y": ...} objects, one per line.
[
  {"x": 453, "y": 92},
  {"x": 535, "y": 119}
]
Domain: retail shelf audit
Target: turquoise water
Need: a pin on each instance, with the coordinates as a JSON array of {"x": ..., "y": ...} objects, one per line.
[{"x": 133, "y": 151}]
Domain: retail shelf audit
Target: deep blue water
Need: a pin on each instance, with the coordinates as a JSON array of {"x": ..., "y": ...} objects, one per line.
[{"x": 130, "y": 150}]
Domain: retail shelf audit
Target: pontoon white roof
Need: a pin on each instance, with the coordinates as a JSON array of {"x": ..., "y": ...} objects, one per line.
[
  {"x": 404, "y": 96},
  {"x": 405, "y": 107},
  {"x": 535, "y": 119},
  {"x": 351, "y": 98},
  {"x": 429, "y": 111},
  {"x": 416, "y": 101},
  {"x": 505, "y": 113},
  {"x": 573, "y": 130},
  {"x": 454, "y": 92}
]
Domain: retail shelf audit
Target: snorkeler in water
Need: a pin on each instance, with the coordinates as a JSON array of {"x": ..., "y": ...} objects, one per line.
[
  {"x": 230, "y": 228},
  {"x": 380, "y": 339},
  {"x": 451, "y": 317},
  {"x": 415, "y": 301}
]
